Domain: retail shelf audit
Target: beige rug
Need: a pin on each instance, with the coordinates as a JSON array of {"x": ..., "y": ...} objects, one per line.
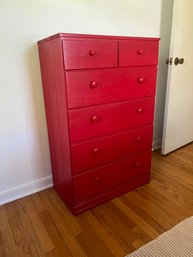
[{"x": 176, "y": 242}]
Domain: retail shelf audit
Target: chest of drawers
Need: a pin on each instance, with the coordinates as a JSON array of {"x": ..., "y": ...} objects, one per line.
[{"x": 99, "y": 96}]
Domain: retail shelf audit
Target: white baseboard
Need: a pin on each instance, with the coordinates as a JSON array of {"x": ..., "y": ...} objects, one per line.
[
  {"x": 157, "y": 144},
  {"x": 26, "y": 189}
]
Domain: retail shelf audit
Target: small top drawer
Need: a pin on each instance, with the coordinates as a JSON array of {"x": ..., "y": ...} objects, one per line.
[
  {"x": 138, "y": 52},
  {"x": 83, "y": 54}
]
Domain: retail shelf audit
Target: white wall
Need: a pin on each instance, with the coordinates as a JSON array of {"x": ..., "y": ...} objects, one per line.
[
  {"x": 165, "y": 34},
  {"x": 24, "y": 152}
]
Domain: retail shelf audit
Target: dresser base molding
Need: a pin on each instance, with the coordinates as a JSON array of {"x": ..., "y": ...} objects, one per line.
[{"x": 103, "y": 197}]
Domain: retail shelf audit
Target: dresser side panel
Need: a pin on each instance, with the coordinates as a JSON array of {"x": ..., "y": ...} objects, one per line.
[
  {"x": 90, "y": 102},
  {"x": 51, "y": 60}
]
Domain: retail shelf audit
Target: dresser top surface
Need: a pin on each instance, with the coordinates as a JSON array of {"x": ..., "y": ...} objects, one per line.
[{"x": 94, "y": 36}]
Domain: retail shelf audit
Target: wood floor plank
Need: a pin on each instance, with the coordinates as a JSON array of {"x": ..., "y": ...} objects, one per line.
[
  {"x": 149, "y": 230},
  {"x": 165, "y": 204},
  {"x": 25, "y": 247},
  {"x": 152, "y": 209},
  {"x": 65, "y": 224},
  {"x": 116, "y": 223},
  {"x": 24, "y": 234},
  {"x": 170, "y": 199},
  {"x": 61, "y": 247},
  {"x": 38, "y": 226},
  {"x": 90, "y": 241},
  {"x": 8, "y": 247},
  {"x": 179, "y": 189},
  {"x": 60, "y": 213},
  {"x": 1, "y": 240},
  {"x": 107, "y": 237},
  {"x": 138, "y": 243},
  {"x": 4, "y": 220},
  {"x": 38, "y": 203},
  {"x": 13, "y": 215},
  {"x": 152, "y": 221},
  {"x": 53, "y": 253},
  {"x": 2, "y": 250}
]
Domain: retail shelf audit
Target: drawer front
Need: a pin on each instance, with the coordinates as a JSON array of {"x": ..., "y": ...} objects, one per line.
[
  {"x": 101, "y": 151},
  {"x": 138, "y": 52},
  {"x": 96, "y": 181},
  {"x": 85, "y": 123},
  {"x": 81, "y": 54},
  {"x": 109, "y": 85}
]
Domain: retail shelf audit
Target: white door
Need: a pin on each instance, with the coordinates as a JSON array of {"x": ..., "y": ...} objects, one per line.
[{"x": 178, "y": 120}]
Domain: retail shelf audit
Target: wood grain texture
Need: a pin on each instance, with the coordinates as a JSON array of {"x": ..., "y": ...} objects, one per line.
[
  {"x": 99, "y": 86},
  {"x": 41, "y": 225},
  {"x": 101, "y": 151},
  {"x": 108, "y": 119}
]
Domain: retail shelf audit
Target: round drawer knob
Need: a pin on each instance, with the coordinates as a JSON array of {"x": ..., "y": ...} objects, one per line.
[
  {"x": 140, "y": 110},
  {"x": 96, "y": 179},
  {"x": 141, "y": 80},
  {"x": 139, "y": 139},
  {"x": 140, "y": 52},
  {"x": 94, "y": 118},
  {"x": 92, "y": 52},
  {"x": 137, "y": 164},
  {"x": 93, "y": 84},
  {"x": 96, "y": 151}
]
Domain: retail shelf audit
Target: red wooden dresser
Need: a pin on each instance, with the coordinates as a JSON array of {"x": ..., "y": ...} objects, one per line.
[{"x": 99, "y": 97}]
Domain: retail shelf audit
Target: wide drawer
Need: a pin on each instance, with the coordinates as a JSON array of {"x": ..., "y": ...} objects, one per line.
[
  {"x": 138, "y": 52},
  {"x": 81, "y": 54},
  {"x": 109, "y": 85},
  {"x": 108, "y": 177},
  {"x": 94, "y": 153},
  {"x": 85, "y": 123}
]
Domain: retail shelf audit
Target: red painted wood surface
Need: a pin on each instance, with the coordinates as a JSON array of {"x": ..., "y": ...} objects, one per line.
[
  {"x": 86, "y": 123},
  {"x": 56, "y": 115},
  {"x": 135, "y": 53},
  {"x": 91, "y": 87},
  {"x": 110, "y": 176},
  {"x": 75, "y": 36},
  {"x": 99, "y": 98},
  {"x": 107, "y": 195},
  {"x": 90, "y": 54},
  {"x": 103, "y": 150}
]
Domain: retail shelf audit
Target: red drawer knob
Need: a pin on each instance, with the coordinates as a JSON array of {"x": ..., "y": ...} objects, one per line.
[
  {"x": 140, "y": 52},
  {"x": 96, "y": 151},
  {"x": 94, "y": 118},
  {"x": 92, "y": 52},
  {"x": 93, "y": 84},
  {"x": 140, "y": 110},
  {"x": 96, "y": 179},
  {"x": 137, "y": 164},
  {"x": 141, "y": 80},
  {"x": 139, "y": 139}
]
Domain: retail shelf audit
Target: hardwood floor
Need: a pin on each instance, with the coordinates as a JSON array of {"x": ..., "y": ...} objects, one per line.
[{"x": 41, "y": 225}]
